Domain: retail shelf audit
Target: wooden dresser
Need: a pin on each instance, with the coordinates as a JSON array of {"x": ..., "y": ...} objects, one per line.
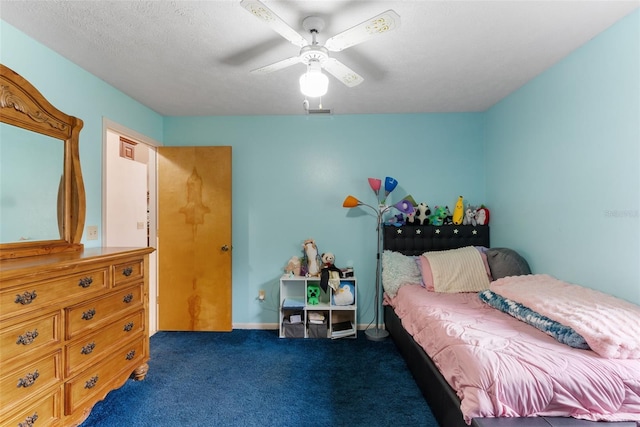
[{"x": 73, "y": 326}]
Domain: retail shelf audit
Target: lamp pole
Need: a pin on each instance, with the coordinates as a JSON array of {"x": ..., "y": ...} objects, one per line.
[
  {"x": 377, "y": 333},
  {"x": 406, "y": 207}
]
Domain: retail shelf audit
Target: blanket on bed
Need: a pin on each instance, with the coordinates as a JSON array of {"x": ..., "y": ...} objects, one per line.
[
  {"x": 609, "y": 325},
  {"x": 502, "y": 367},
  {"x": 560, "y": 332}
]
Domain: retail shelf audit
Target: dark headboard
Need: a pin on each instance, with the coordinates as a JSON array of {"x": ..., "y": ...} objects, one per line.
[{"x": 418, "y": 239}]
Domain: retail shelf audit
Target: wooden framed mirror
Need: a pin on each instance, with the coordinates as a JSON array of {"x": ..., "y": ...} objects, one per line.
[{"x": 40, "y": 176}]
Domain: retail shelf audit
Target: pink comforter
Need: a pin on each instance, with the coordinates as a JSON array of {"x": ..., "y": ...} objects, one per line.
[
  {"x": 609, "y": 325},
  {"x": 501, "y": 367}
]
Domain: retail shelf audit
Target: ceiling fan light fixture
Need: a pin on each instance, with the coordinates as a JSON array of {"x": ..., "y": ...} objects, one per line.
[{"x": 314, "y": 83}]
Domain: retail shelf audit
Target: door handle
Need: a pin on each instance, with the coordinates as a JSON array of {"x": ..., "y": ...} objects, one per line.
[{"x": 225, "y": 248}]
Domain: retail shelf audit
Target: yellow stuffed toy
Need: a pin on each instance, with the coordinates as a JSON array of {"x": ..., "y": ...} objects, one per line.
[{"x": 458, "y": 211}]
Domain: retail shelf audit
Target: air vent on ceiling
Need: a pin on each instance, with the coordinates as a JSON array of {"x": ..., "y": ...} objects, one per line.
[{"x": 319, "y": 111}]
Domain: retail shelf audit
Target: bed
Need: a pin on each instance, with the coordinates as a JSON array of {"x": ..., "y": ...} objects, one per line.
[{"x": 464, "y": 406}]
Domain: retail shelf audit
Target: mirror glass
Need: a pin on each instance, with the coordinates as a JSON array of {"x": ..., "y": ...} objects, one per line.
[{"x": 31, "y": 171}]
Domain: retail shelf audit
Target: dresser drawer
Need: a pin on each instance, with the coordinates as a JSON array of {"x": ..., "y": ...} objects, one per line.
[
  {"x": 92, "y": 348},
  {"x": 111, "y": 373},
  {"x": 24, "y": 335},
  {"x": 86, "y": 315},
  {"x": 23, "y": 382},
  {"x": 32, "y": 296},
  {"x": 128, "y": 272},
  {"x": 43, "y": 411}
]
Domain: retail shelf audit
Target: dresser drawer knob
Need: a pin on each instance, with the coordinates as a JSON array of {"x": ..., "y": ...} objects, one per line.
[
  {"x": 29, "y": 421},
  {"x": 85, "y": 282},
  {"x": 131, "y": 355},
  {"x": 128, "y": 327},
  {"x": 87, "y": 349},
  {"x": 88, "y": 315},
  {"x": 25, "y": 298},
  {"x": 127, "y": 271},
  {"x": 28, "y": 337},
  {"x": 127, "y": 298},
  {"x": 28, "y": 380},
  {"x": 91, "y": 383}
]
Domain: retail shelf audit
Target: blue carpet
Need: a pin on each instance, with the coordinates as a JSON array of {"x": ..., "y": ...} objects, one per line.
[{"x": 253, "y": 378}]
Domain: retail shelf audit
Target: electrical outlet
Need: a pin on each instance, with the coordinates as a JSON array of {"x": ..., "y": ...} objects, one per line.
[{"x": 92, "y": 232}]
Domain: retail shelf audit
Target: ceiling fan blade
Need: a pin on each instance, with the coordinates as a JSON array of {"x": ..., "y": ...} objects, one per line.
[
  {"x": 262, "y": 12},
  {"x": 378, "y": 25},
  {"x": 277, "y": 65},
  {"x": 341, "y": 72}
]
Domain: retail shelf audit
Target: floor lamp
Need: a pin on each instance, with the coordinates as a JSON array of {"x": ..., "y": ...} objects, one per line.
[{"x": 405, "y": 206}]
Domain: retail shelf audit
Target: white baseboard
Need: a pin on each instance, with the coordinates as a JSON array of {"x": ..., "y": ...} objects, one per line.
[
  {"x": 268, "y": 326},
  {"x": 273, "y": 326}
]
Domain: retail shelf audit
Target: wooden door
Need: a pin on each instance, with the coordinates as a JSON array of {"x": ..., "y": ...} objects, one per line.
[{"x": 194, "y": 238}]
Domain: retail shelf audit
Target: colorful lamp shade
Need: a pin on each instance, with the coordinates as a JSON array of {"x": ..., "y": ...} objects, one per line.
[
  {"x": 409, "y": 198},
  {"x": 405, "y": 206},
  {"x": 375, "y": 184},
  {"x": 389, "y": 184},
  {"x": 350, "y": 202}
]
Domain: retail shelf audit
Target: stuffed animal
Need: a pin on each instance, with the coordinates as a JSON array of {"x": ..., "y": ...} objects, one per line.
[
  {"x": 312, "y": 258},
  {"x": 411, "y": 218},
  {"x": 448, "y": 219},
  {"x": 469, "y": 216},
  {"x": 458, "y": 211},
  {"x": 422, "y": 216},
  {"x": 293, "y": 266},
  {"x": 344, "y": 295},
  {"x": 482, "y": 216},
  {"x": 313, "y": 294},
  {"x": 397, "y": 220},
  {"x": 329, "y": 274},
  {"x": 438, "y": 216}
]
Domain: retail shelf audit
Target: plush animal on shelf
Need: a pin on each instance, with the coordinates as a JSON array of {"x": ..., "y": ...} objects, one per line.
[
  {"x": 411, "y": 218},
  {"x": 329, "y": 274},
  {"x": 313, "y": 294},
  {"x": 397, "y": 220},
  {"x": 469, "y": 216},
  {"x": 293, "y": 266},
  {"x": 458, "y": 211},
  {"x": 422, "y": 215},
  {"x": 312, "y": 258},
  {"x": 448, "y": 219},
  {"x": 482, "y": 216},
  {"x": 438, "y": 216},
  {"x": 344, "y": 295}
]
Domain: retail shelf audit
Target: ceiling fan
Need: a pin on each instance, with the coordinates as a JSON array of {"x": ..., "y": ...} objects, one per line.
[{"x": 316, "y": 56}]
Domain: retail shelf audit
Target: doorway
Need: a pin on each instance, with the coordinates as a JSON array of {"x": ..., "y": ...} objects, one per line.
[{"x": 129, "y": 198}]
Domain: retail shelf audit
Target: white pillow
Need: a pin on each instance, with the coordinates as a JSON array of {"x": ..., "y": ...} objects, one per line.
[
  {"x": 458, "y": 270},
  {"x": 398, "y": 270}
]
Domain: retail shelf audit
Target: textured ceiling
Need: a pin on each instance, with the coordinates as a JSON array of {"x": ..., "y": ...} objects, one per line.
[{"x": 193, "y": 58}]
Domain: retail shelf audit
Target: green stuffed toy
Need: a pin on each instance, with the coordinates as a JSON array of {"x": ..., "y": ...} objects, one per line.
[
  {"x": 438, "y": 216},
  {"x": 313, "y": 294}
]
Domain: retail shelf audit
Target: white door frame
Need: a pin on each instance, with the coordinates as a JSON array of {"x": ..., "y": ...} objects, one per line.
[{"x": 109, "y": 125}]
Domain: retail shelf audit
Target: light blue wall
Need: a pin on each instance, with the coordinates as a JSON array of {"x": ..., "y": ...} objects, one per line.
[
  {"x": 291, "y": 174},
  {"x": 563, "y": 164},
  {"x": 557, "y": 162},
  {"x": 78, "y": 93}
]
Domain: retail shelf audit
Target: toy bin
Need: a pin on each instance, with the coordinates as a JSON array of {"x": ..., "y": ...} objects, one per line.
[{"x": 293, "y": 330}]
